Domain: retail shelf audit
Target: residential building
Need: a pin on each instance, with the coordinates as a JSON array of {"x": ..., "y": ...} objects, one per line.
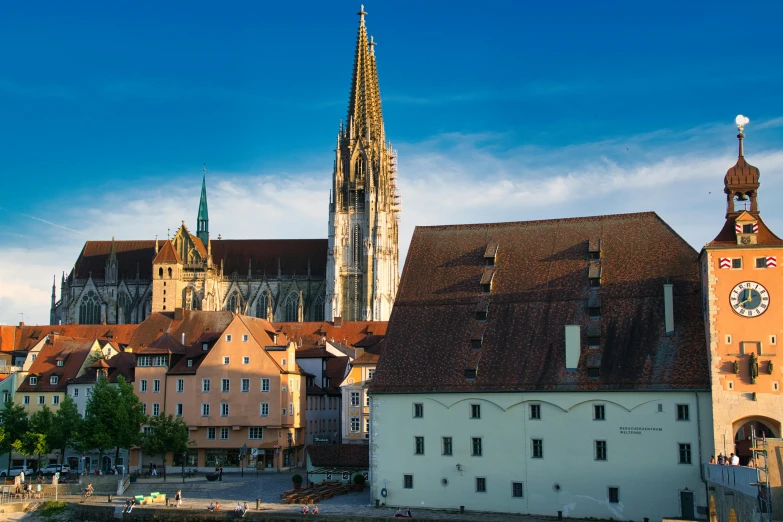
[
  {"x": 741, "y": 284},
  {"x": 323, "y": 406},
  {"x": 80, "y": 388},
  {"x": 354, "y": 388},
  {"x": 543, "y": 330}
]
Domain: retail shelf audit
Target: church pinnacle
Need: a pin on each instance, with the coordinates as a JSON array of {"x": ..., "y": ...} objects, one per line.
[
  {"x": 202, "y": 222},
  {"x": 364, "y": 105}
]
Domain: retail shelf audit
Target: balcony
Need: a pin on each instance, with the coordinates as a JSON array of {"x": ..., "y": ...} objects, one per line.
[
  {"x": 7, "y": 370},
  {"x": 738, "y": 478}
]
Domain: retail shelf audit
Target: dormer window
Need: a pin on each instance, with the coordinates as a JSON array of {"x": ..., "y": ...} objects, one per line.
[
  {"x": 490, "y": 255},
  {"x": 750, "y": 228},
  {"x": 190, "y": 363},
  {"x": 470, "y": 374},
  {"x": 54, "y": 379},
  {"x": 33, "y": 381},
  {"x": 60, "y": 362},
  {"x": 204, "y": 346},
  {"x": 482, "y": 310}
]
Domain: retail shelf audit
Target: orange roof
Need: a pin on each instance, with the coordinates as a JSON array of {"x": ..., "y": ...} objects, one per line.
[
  {"x": 167, "y": 254},
  {"x": 350, "y": 333},
  {"x": 71, "y": 351},
  {"x": 25, "y": 337}
]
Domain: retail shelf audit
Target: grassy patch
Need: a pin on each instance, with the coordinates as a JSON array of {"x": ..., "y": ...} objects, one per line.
[{"x": 50, "y": 508}]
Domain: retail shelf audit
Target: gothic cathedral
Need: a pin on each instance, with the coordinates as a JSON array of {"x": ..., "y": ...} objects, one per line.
[{"x": 353, "y": 275}]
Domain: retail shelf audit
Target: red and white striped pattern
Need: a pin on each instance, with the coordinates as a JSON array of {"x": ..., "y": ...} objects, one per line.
[
  {"x": 724, "y": 262},
  {"x": 755, "y": 228},
  {"x": 772, "y": 262},
  {"x": 737, "y": 228}
]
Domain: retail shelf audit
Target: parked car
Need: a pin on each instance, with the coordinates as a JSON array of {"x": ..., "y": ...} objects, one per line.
[
  {"x": 51, "y": 469},
  {"x": 16, "y": 470}
]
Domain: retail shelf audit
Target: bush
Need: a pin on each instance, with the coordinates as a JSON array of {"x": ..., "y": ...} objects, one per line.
[
  {"x": 358, "y": 479},
  {"x": 50, "y": 508},
  {"x": 296, "y": 479}
]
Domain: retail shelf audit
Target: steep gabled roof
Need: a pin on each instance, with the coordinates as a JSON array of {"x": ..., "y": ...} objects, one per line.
[
  {"x": 71, "y": 350},
  {"x": 167, "y": 255},
  {"x": 267, "y": 256},
  {"x": 350, "y": 333},
  {"x": 541, "y": 284},
  {"x": 132, "y": 256}
]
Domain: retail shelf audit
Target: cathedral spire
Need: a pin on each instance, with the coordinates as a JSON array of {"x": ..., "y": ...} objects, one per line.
[
  {"x": 202, "y": 222},
  {"x": 364, "y": 106}
]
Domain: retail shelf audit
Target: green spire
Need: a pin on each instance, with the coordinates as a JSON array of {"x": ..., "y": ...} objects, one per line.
[{"x": 202, "y": 226}]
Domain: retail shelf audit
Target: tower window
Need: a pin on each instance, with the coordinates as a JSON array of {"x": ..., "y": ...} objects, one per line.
[
  {"x": 747, "y": 229},
  {"x": 736, "y": 263},
  {"x": 761, "y": 262},
  {"x": 594, "y": 312}
]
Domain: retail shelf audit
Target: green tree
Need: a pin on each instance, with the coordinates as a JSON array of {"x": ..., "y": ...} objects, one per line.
[
  {"x": 130, "y": 417},
  {"x": 166, "y": 433},
  {"x": 67, "y": 424},
  {"x": 37, "y": 440},
  {"x": 15, "y": 425},
  {"x": 99, "y": 430}
]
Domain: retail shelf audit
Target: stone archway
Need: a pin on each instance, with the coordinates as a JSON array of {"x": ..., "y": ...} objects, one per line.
[{"x": 743, "y": 428}]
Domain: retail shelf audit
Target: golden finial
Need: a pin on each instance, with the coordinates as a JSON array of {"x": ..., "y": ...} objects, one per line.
[
  {"x": 361, "y": 13},
  {"x": 741, "y": 121}
]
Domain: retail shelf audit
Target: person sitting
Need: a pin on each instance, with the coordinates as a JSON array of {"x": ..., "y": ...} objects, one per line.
[
  {"x": 127, "y": 507},
  {"x": 217, "y": 505},
  {"x": 305, "y": 510},
  {"x": 398, "y": 514},
  {"x": 238, "y": 508},
  {"x": 244, "y": 508},
  {"x": 211, "y": 507},
  {"x": 408, "y": 513},
  {"x": 315, "y": 510}
]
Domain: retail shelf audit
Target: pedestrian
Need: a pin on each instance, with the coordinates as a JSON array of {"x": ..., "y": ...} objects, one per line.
[
  {"x": 721, "y": 458},
  {"x": 17, "y": 484},
  {"x": 712, "y": 459},
  {"x": 21, "y": 477},
  {"x": 734, "y": 460},
  {"x": 244, "y": 508},
  {"x": 178, "y": 498},
  {"x": 211, "y": 506},
  {"x": 220, "y": 475}
]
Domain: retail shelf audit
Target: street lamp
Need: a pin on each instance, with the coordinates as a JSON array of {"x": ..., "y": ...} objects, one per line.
[
  {"x": 184, "y": 456},
  {"x": 242, "y": 453}
]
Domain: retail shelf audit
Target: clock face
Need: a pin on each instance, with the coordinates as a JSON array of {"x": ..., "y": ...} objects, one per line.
[{"x": 749, "y": 299}]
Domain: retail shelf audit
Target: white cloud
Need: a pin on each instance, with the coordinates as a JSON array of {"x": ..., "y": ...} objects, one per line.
[{"x": 453, "y": 178}]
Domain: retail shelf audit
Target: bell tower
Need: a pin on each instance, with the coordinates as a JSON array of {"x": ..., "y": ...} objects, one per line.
[
  {"x": 363, "y": 256},
  {"x": 742, "y": 304}
]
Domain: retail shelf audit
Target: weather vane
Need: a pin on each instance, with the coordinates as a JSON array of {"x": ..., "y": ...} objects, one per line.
[{"x": 741, "y": 121}]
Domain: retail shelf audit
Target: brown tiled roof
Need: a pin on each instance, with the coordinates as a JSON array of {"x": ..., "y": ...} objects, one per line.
[
  {"x": 340, "y": 456},
  {"x": 165, "y": 344},
  {"x": 314, "y": 352},
  {"x": 292, "y": 256},
  {"x": 727, "y": 237},
  {"x": 121, "y": 364},
  {"x": 26, "y": 337},
  {"x": 194, "y": 324},
  {"x": 541, "y": 285},
  {"x": 336, "y": 369},
  {"x": 45, "y": 365},
  {"x": 350, "y": 332},
  {"x": 131, "y": 255},
  {"x": 167, "y": 254}
]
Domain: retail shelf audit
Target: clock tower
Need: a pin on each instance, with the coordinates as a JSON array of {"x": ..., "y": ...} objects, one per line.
[{"x": 742, "y": 292}]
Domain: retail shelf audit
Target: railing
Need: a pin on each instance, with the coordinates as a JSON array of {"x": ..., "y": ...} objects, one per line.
[
  {"x": 5, "y": 369},
  {"x": 737, "y": 478}
]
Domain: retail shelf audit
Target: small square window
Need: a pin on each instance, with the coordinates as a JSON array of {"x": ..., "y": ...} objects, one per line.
[
  {"x": 685, "y": 453},
  {"x": 245, "y": 360},
  {"x": 683, "y": 412},
  {"x": 418, "y": 446},
  {"x": 761, "y": 262},
  {"x": 190, "y": 363},
  {"x": 600, "y": 450},
  {"x": 599, "y": 412},
  {"x": 481, "y": 315},
  {"x": 211, "y": 433},
  {"x": 475, "y": 411},
  {"x": 476, "y": 447},
  {"x": 535, "y": 411},
  {"x": 594, "y": 312},
  {"x": 614, "y": 495},
  {"x": 228, "y": 338},
  {"x": 418, "y": 411},
  {"x": 736, "y": 262},
  {"x": 205, "y": 346},
  {"x": 538, "y": 448},
  {"x": 407, "y": 481},
  {"x": 446, "y": 446},
  {"x": 481, "y": 485},
  {"x": 470, "y": 374},
  {"x": 33, "y": 381},
  {"x": 244, "y": 338},
  {"x": 595, "y": 282},
  {"x": 55, "y": 400},
  {"x": 593, "y": 373},
  {"x": 517, "y": 489},
  {"x": 594, "y": 342},
  {"x": 226, "y": 360},
  {"x": 747, "y": 228}
]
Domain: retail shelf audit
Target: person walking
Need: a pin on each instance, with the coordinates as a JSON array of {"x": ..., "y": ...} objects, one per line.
[{"x": 178, "y": 498}]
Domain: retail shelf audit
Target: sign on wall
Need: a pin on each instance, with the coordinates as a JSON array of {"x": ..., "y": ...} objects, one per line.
[{"x": 637, "y": 430}]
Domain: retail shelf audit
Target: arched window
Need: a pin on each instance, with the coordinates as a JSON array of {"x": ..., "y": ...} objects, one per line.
[
  {"x": 318, "y": 309},
  {"x": 356, "y": 250},
  {"x": 261, "y": 304},
  {"x": 169, "y": 272},
  {"x": 124, "y": 308},
  {"x": 90, "y": 309},
  {"x": 292, "y": 307},
  {"x": 160, "y": 272},
  {"x": 234, "y": 302}
]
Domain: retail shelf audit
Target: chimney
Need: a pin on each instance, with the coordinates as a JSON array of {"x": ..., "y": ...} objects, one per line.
[
  {"x": 668, "y": 307},
  {"x": 338, "y": 322},
  {"x": 358, "y": 352},
  {"x": 573, "y": 341},
  {"x": 21, "y": 324},
  {"x": 179, "y": 314}
]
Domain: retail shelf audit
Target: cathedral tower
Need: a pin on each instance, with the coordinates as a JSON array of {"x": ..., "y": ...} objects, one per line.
[
  {"x": 363, "y": 257},
  {"x": 743, "y": 303},
  {"x": 202, "y": 222}
]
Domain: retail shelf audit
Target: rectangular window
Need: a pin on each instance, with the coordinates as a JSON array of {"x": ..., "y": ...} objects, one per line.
[
  {"x": 761, "y": 262},
  {"x": 366, "y": 400},
  {"x": 146, "y": 430},
  {"x": 155, "y": 409},
  {"x": 538, "y": 448},
  {"x": 418, "y": 445},
  {"x": 614, "y": 495},
  {"x": 211, "y": 433},
  {"x": 282, "y": 362},
  {"x": 160, "y": 360},
  {"x": 291, "y": 408},
  {"x": 226, "y": 360},
  {"x": 264, "y": 385},
  {"x": 599, "y": 412},
  {"x": 41, "y": 400},
  {"x": 205, "y": 409},
  {"x": 223, "y": 433},
  {"x": 179, "y": 409},
  {"x": 143, "y": 386},
  {"x": 228, "y": 338},
  {"x": 470, "y": 374},
  {"x": 595, "y": 282},
  {"x": 517, "y": 489},
  {"x": 255, "y": 433},
  {"x": 190, "y": 363},
  {"x": 144, "y": 408},
  {"x": 683, "y": 412},
  {"x": 225, "y": 385},
  {"x": 224, "y": 409},
  {"x": 27, "y": 399},
  {"x": 747, "y": 229},
  {"x": 76, "y": 392},
  {"x": 370, "y": 374},
  {"x": 475, "y": 411},
  {"x": 265, "y": 409},
  {"x": 446, "y": 448},
  {"x": 33, "y": 381},
  {"x": 355, "y": 398},
  {"x": 535, "y": 411},
  {"x": 407, "y": 481},
  {"x": 144, "y": 360},
  {"x": 283, "y": 412},
  {"x": 593, "y": 342},
  {"x": 244, "y": 338},
  {"x": 60, "y": 363},
  {"x": 54, "y": 379},
  {"x": 245, "y": 385},
  {"x": 600, "y": 450},
  {"x": 594, "y": 312},
  {"x": 180, "y": 385},
  {"x": 354, "y": 424},
  {"x": 418, "y": 410},
  {"x": 481, "y": 485},
  {"x": 156, "y": 386},
  {"x": 55, "y": 400},
  {"x": 736, "y": 262},
  {"x": 685, "y": 453},
  {"x": 245, "y": 360},
  {"x": 205, "y": 385},
  {"x": 367, "y": 427},
  {"x": 475, "y": 446}
]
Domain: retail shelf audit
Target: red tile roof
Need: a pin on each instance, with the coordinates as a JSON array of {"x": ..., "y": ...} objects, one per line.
[
  {"x": 266, "y": 256},
  {"x": 121, "y": 364},
  {"x": 541, "y": 285},
  {"x": 340, "y": 456},
  {"x": 336, "y": 369},
  {"x": 167, "y": 254},
  {"x": 194, "y": 324},
  {"x": 26, "y": 337},
  {"x": 350, "y": 333},
  {"x": 74, "y": 351},
  {"x": 131, "y": 256},
  {"x": 727, "y": 237}
]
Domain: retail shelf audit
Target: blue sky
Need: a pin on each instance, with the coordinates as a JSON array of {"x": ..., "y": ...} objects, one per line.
[{"x": 501, "y": 111}]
